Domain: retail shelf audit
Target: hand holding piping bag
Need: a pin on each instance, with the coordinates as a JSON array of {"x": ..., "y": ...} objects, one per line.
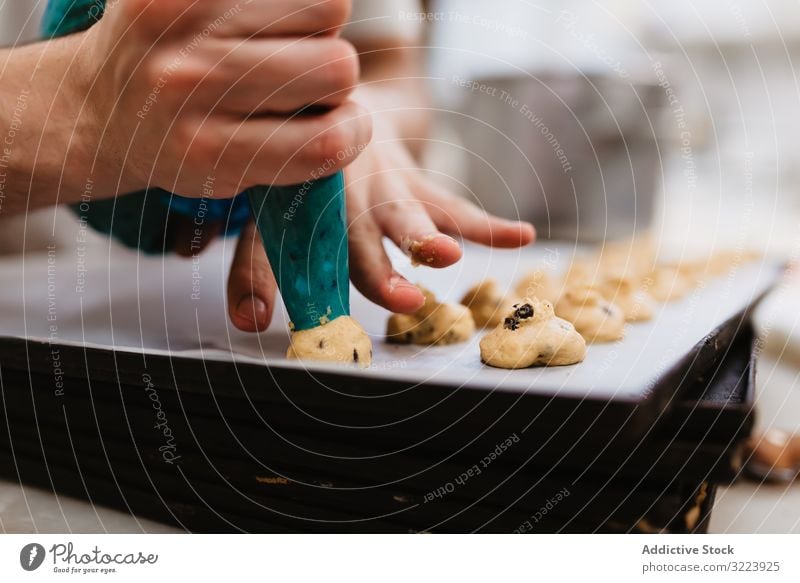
[
  {"x": 229, "y": 107},
  {"x": 305, "y": 230},
  {"x": 387, "y": 195},
  {"x": 150, "y": 102}
]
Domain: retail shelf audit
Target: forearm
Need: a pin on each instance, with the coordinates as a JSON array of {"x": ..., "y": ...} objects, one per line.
[{"x": 49, "y": 148}]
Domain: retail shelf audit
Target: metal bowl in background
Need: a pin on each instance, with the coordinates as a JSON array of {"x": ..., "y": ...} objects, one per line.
[{"x": 577, "y": 155}]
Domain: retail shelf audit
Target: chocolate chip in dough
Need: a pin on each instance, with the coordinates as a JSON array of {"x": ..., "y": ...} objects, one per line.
[{"x": 524, "y": 311}]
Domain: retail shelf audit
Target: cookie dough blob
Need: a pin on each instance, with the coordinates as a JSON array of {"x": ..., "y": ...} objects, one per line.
[
  {"x": 582, "y": 272},
  {"x": 487, "y": 304},
  {"x": 633, "y": 257},
  {"x": 433, "y": 323},
  {"x": 403, "y": 329},
  {"x": 532, "y": 335},
  {"x": 625, "y": 293},
  {"x": 594, "y": 317},
  {"x": 724, "y": 262},
  {"x": 667, "y": 284},
  {"x": 537, "y": 284},
  {"x": 341, "y": 340},
  {"x": 694, "y": 272}
]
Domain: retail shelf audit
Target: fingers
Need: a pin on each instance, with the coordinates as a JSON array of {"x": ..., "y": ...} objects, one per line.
[
  {"x": 303, "y": 147},
  {"x": 268, "y": 17},
  {"x": 370, "y": 268},
  {"x": 405, "y": 220},
  {"x": 235, "y": 19},
  {"x": 272, "y": 150},
  {"x": 251, "y": 285},
  {"x": 460, "y": 217},
  {"x": 273, "y": 75}
]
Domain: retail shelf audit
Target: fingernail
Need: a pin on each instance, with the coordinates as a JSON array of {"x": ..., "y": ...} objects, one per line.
[
  {"x": 443, "y": 236},
  {"x": 398, "y": 281},
  {"x": 395, "y": 281},
  {"x": 253, "y": 309},
  {"x": 417, "y": 249}
]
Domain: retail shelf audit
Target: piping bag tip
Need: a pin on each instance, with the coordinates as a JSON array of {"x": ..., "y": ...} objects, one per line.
[{"x": 304, "y": 231}]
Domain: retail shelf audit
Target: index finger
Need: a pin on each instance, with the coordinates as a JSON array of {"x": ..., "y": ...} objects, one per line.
[
  {"x": 246, "y": 18},
  {"x": 198, "y": 19}
]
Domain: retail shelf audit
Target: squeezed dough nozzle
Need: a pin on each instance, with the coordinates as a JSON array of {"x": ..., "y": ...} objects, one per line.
[{"x": 304, "y": 231}]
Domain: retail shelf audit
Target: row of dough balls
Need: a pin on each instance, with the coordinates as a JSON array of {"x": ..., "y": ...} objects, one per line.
[
  {"x": 549, "y": 320},
  {"x": 529, "y": 335}
]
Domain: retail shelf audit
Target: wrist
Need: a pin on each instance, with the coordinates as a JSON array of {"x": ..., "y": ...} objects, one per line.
[{"x": 98, "y": 153}]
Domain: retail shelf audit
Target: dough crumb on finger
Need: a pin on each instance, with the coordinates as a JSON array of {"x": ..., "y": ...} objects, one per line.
[
  {"x": 532, "y": 335},
  {"x": 433, "y": 323},
  {"x": 418, "y": 250}
]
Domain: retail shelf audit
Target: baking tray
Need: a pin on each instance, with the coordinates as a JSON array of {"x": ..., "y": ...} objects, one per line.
[
  {"x": 193, "y": 514},
  {"x": 230, "y": 488},
  {"x": 142, "y": 316},
  {"x": 83, "y": 357},
  {"x": 469, "y": 424},
  {"x": 71, "y": 471},
  {"x": 108, "y": 436}
]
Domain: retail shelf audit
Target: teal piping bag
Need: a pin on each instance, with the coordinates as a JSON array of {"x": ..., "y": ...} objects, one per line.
[{"x": 304, "y": 231}]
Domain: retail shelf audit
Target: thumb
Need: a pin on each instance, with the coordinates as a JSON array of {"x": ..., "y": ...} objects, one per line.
[{"x": 251, "y": 285}]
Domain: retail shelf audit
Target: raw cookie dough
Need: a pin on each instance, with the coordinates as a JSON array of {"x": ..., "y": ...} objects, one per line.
[
  {"x": 340, "y": 340},
  {"x": 531, "y": 335},
  {"x": 414, "y": 249},
  {"x": 636, "y": 304},
  {"x": 487, "y": 304},
  {"x": 667, "y": 284},
  {"x": 594, "y": 317},
  {"x": 624, "y": 291},
  {"x": 433, "y": 323},
  {"x": 722, "y": 262},
  {"x": 537, "y": 284},
  {"x": 629, "y": 257},
  {"x": 695, "y": 273},
  {"x": 582, "y": 272}
]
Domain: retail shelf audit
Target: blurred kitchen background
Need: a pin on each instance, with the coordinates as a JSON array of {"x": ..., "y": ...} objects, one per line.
[
  {"x": 599, "y": 120},
  {"x": 683, "y": 111},
  {"x": 19, "y": 20}
]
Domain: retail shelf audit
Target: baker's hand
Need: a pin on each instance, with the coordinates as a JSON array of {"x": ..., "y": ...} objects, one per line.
[
  {"x": 198, "y": 97},
  {"x": 387, "y": 196}
]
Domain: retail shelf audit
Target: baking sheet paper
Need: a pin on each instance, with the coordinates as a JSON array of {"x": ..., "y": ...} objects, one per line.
[{"x": 104, "y": 296}]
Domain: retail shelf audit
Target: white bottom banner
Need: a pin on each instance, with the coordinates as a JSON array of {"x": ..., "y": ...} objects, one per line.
[{"x": 387, "y": 558}]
